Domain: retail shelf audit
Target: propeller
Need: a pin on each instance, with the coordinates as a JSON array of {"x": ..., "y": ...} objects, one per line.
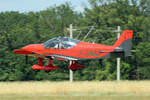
[
  {"x": 26, "y": 59},
  {"x": 101, "y": 62}
]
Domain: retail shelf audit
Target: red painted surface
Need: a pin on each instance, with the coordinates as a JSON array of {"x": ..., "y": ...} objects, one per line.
[
  {"x": 45, "y": 68},
  {"x": 83, "y": 50},
  {"x": 22, "y": 52},
  {"x": 75, "y": 66},
  {"x": 40, "y": 66},
  {"x": 127, "y": 34}
]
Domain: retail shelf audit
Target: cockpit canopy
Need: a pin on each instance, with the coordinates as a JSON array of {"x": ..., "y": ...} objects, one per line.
[{"x": 60, "y": 43}]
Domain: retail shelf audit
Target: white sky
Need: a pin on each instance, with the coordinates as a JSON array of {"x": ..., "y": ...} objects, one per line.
[{"x": 37, "y": 5}]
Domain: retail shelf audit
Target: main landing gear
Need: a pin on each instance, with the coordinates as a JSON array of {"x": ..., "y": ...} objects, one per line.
[
  {"x": 48, "y": 67},
  {"x": 75, "y": 66}
]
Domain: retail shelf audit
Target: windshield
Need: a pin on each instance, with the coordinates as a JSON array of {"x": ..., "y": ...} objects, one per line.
[{"x": 60, "y": 43}]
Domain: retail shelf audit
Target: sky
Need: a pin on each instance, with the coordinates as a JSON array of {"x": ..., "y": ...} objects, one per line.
[{"x": 37, "y": 5}]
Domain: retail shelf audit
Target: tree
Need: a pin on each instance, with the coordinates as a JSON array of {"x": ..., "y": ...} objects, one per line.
[{"x": 20, "y": 29}]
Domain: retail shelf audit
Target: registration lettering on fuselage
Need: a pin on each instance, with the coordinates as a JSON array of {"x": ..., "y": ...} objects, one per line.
[{"x": 88, "y": 53}]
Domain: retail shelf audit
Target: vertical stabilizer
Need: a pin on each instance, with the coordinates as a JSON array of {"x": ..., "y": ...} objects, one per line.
[{"x": 124, "y": 43}]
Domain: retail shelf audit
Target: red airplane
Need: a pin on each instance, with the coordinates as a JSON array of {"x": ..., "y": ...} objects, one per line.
[{"x": 64, "y": 48}]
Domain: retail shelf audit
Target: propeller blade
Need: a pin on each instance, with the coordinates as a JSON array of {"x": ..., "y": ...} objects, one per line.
[
  {"x": 26, "y": 59},
  {"x": 101, "y": 62}
]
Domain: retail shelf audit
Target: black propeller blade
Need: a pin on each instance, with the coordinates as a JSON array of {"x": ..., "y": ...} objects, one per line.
[
  {"x": 101, "y": 62},
  {"x": 26, "y": 59}
]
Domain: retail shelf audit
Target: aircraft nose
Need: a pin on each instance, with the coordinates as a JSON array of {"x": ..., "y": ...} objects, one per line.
[{"x": 34, "y": 47}]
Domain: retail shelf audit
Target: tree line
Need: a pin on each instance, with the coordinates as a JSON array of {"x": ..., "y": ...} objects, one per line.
[{"x": 20, "y": 29}]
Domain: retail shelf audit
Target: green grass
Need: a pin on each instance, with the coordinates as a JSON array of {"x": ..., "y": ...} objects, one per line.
[
  {"x": 73, "y": 97},
  {"x": 105, "y": 90}
]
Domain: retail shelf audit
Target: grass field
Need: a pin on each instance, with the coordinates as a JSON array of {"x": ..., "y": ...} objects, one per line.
[{"x": 104, "y": 90}]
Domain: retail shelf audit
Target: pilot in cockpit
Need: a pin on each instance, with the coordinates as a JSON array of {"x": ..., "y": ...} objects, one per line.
[{"x": 59, "y": 46}]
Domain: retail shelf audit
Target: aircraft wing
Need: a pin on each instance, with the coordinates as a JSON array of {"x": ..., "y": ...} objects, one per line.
[
  {"x": 63, "y": 57},
  {"x": 24, "y": 52},
  {"x": 44, "y": 56}
]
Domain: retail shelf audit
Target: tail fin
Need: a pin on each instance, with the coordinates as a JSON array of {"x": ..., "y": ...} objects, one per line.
[{"x": 124, "y": 43}]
